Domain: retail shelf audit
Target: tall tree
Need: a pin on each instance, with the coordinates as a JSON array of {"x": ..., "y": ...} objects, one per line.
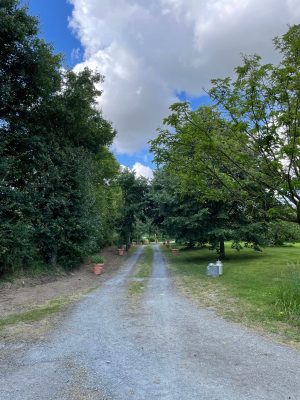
[
  {"x": 53, "y": 142},
  {"x": 189, "y": 218},
  {"x": 262, "y": 105},
  {"x": 29, "y": 71},
  {"x": 249, "y": 141}
]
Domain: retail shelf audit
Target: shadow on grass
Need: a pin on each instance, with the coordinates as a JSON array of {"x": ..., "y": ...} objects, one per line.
[{"x": 206, "y": 256}]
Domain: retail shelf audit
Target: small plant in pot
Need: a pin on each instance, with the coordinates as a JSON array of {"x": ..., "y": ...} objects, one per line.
[
  {"x": 98, "y": 262},
  {"x": 121, "y": 251},
  {"x": 175, "y": 251},
  {"x": 121, "y": 248}
]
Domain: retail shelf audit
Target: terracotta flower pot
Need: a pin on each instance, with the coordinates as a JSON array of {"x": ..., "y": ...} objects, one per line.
[
  {"x": 174, "y": 252},
  {"x": 121, "y": 252},
  {"x": 98, "y": 268}
]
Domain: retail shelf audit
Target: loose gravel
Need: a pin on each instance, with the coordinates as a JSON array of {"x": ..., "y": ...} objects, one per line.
[{"x": 161, "y": 347}]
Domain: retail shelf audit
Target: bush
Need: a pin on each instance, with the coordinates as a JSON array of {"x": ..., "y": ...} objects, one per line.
[
  {"x": 281, "y": 232},
  {"x": 18, "y": 251},
  {"x": 97, "y": 259}
]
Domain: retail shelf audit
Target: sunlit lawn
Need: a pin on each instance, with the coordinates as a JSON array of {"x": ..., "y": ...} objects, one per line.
[{"x": 254, "y": 279}]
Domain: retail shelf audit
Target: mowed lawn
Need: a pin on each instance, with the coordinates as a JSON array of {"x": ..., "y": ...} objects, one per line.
[{"x": 257, "y": 288}]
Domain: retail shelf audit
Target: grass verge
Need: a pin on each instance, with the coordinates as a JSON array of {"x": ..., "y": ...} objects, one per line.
[
  {"x": 39, "y": 313},
  {"x": 142, "y": 273},
  {"x": 258, "y": 289}
]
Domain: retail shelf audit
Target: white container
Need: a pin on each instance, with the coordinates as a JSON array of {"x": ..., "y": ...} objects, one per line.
[
  {"x": 220, "y": 266},
  {"x": 212, "y": 270}
]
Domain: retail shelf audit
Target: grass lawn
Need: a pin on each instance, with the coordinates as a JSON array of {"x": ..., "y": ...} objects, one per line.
[{"x": 260, "y": 289}]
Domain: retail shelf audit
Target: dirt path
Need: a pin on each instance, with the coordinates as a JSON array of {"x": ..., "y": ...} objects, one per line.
[
  {"x": 158, "y": 347},
  {"x": 26, "y": 293},
  {"x": 34, "y": 306}
]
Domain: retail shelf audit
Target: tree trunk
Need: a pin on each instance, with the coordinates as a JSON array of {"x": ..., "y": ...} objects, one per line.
[
  {"x": 222, "y": 249},
  {"x": 298, "y": 213}
]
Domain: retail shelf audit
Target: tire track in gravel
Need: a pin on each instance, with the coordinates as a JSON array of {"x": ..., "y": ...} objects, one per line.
[{"x": 162, "y": 347}]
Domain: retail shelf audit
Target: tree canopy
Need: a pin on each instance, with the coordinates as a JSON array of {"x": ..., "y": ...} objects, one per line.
[
  {"x": 58, "y": 201},
  {"x": 246, "y": 145}
]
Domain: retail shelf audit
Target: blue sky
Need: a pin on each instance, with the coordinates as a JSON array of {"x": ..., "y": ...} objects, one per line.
[
  {"x": 54, "y": 28},
  {"x": 53, "y": 16},
  {"x": 153, "y": 53}
]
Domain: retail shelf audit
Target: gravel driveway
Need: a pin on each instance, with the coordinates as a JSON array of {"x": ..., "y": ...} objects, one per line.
[{"x": 158, "y": 347}]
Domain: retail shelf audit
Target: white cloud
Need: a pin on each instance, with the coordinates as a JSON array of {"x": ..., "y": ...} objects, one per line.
[
  {"x": 76, "y": 54},
  {"x": 149, "y": 49},
  {"x": 142, "y": 170},
  {"x": 139, "y": 169}
]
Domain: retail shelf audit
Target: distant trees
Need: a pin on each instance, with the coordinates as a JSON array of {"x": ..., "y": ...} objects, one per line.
[
  {"x": 134, "y": 203},
  {"x": 188, "y": 218},
  {"x": 57, "y": 200}
]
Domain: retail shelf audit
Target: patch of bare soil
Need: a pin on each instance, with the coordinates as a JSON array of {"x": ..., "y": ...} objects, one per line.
[{"x": 27, "y": 294}]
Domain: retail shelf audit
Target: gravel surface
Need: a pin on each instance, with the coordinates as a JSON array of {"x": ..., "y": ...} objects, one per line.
[{"x": 158, "y": 347}]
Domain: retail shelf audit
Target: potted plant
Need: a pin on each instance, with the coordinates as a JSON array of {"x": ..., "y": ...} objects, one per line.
[
  {"x": 98, "y": 262},
  {"x": 121, "y": 251},
  {"x": 175, "y": 251}
]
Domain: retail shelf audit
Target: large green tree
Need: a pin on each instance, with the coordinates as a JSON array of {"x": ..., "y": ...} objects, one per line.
[
  {"x": 262, "y": 106},
  {"x": 190, "y": 218},
  {"x": 55, "y": 163},
  {"x": 248, "y": 142}
]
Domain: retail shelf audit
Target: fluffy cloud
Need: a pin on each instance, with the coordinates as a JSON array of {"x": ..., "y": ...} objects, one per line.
[
  {"x": 139, "y": 169},
  {"x": 150, "y": 49},
  {"x": 142, "y": 170}
]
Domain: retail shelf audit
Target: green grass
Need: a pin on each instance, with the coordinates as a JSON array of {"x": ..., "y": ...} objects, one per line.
[
  {"x": 144, "y": 267},
  {"x": 41, "y": 312},
  {"x": 143, "y": 272},
  {"x": 259, "y": 287},
  {"x": 37, "y": 314},
  {"x": 135, "y": 288}
]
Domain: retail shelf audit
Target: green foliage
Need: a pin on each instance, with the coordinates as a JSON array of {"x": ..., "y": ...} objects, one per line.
[
  {"x": 58, "y": 201},
  {"x": 245, "y": 146},
  {"x": 96, "y": 259},
  {"x": 263, "y": 107},
  {"x": 17, "y": 247},
  {"x": 190, "y": 218},
  {"x": 134, "y": 194},
  {"x": 288, "y": 296},
  {"x": 37, "y": 314},
  {"x": 29, "y": 71},
  {"x": 147, "y": 227},
  {"x": 280, "y": 232},
  {"x": 142, "y": 273}
]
